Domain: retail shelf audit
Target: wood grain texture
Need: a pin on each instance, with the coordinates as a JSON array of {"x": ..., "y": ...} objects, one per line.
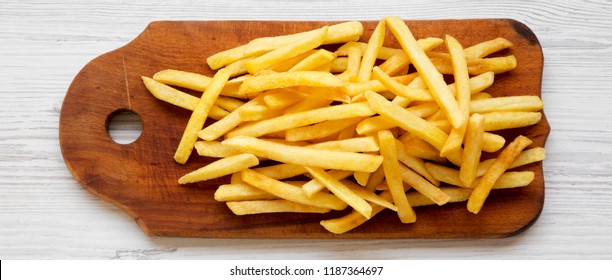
[
  {"x": 141, "y": 177},
  {"x": 45, "y": 214}
]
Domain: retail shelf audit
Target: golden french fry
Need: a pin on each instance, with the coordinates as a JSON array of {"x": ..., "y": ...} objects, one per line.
[
  {"x": 291, "y": 192},
  {"x": 472, "y": 149},
  {"x": 384, "y": 53},
  {"x": 240, "y": 192},
  {"x": 354, "y": 219},
  {"x": 362, "y": 177},
  {"x": 462, "y": 92},
  {"x": 220, "y": 59},
  {"x": 420, "y": 148},
  {"x": 353, "y": 64},
  {"x": 492, "y": 142},
  {"x": 410, "y": 93},
  {"x": 423, "y": 186},
  {"x": 179, "y": 98},
  {"x": 293, "y": 49},
  {"x": 289, "y": 121},
  {"x": 272, "y": 206},
  {"x": 523, "y": 103},
  {"x": 369, "y": 55},
  {"x": 214, "y": 149},
  {"x": 353, "y": 89},
  {"x": 314, "y": 186},
  {"x": 368, "y": 195},
  {"x": 483, "y": 49},
  {"x": 341, "y": 191},
  {"x": 359, "y": 144},
  {"x": 415, "y": 163},
  {"x": 258, "y": 112},
  {"x": 199, "y": 115},
  {"x": 506, "y": 120},
  {"x": 228, "y": 103},
  {"x": 400, "y": 61},
  {"x": 183, "y": 79},
  {"x": 220, "y": 168},
  {"x": 289, "y": 79},
  {"x": 282, "y": 98},
  {"x": 338, "y": 33},
  {"x": 431, "y": 76},
  {"x": 319, "y": 130},
  {"x": 309, "y": 103},
  {"x": 499, "y": 166},
  {"x": 376, "y": 123},
  {"x": 480, "y": 96},
  {"x": 217, "y": 129},
  {"x": 393, "y": 176},
  {"x": 406, "y": 120},
  {"x": 478, "y": 66},
  {"x": 306, "y": 156},
  {"x": 526, "y": 157},
  {"x": 313, "y": 61},
  {"x": 281, "y": 171}
]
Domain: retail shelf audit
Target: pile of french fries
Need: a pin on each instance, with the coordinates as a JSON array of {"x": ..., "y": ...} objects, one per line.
[{"x": 356, "y": 127}]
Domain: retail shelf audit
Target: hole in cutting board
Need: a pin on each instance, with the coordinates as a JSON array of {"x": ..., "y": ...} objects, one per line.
[{"x": 123, "y": 126}]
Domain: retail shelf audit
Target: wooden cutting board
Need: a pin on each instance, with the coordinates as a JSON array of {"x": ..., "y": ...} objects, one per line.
[{"x": 141, "y": 177}]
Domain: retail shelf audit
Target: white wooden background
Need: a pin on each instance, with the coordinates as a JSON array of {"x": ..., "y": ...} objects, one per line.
[{"x": 45, "y": 214}]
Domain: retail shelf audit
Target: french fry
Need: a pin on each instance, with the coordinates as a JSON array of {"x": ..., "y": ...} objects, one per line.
[
  {"x": 240, "y": 192},
  {"x": 393, "y": 176},
  {"x": 314, "y": 186},
  {"x": 406, "y": 120},
  {"x": 400, "y": 61},
  {"x": 289, "y": 121},
  {"x": 462, "y": 92},
  {"x": 492, "y": 142},
  {"x": 369, "y": 55},
  {"x": 305, "y": 156},
  {"x": 480, "y": 96},
  {"x": 417, "y": 94},
  {"x": 478, "y": 66},
  {"x": 506, "y": 120},
  {"x": 319, "y": 130},
  {"x": 199, "y": 115},
  {"x": 353, "y": 89},
  {"x": 415, "y": 163},
  {"x": 298, "y": 47},
  {"x": 341, "y": 191},
  {"x": 258, "y": 112},
  {"x": 384, "y": 53},
  {"x": 282, "y": 98},
  {"x": 368, "y": 195},
  {"x": 179, "y": 98},
  {"x": 352, "y": 65},
  {"x": 214, "y": 149},
  {"x": 228, "y": 103},
  {"x": 420, "y": 148},
  {"x": 289, "y": 79},
  {"x": 483, "y": 49},
  {"x": 272, "y": 206},
  {"x": 338, "y": 33},
  {"x": 220, "y": 168},
  {"x": 362, "y": 177},
  {"x": 359, "y": 144},
  {"x": 281, "y": 171},
  {"x": 423, "y": 186},
  {"x": 376, "y": 123},
  {"x": 507, "y": 103},
  {"x": 308, "y": 103},
  {"x": 499, "y": 166},
  {"x": 354, "y": 219},
  {"x": 433, "y": 79},
  {"x": 313, "y": 61},
  {"x": 472, "y": 151},
  {"x": 220, "y": 59},
  {"x": 232, "y": 120},
  {"x": 290, "y": 192},
  {"x": 526, "y": 157}
]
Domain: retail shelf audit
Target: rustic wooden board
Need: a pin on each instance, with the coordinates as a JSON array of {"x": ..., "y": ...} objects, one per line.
[{"x": 141, "y": 177}]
